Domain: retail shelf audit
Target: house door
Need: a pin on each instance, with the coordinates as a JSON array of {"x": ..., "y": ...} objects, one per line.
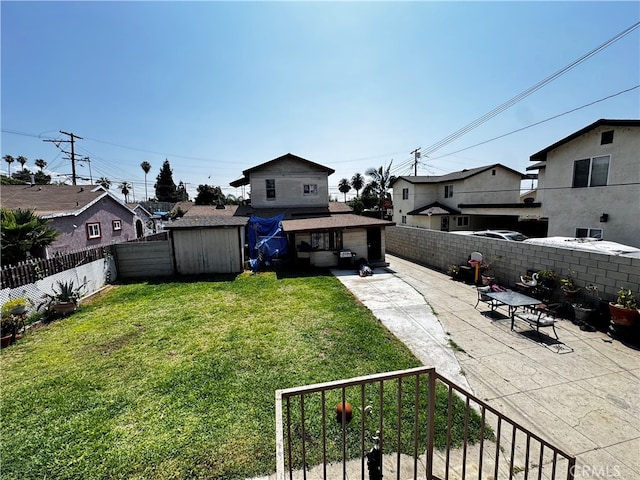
[
  {"x": 139, "y": 230},
  {"x": 444, "y": 224},
  {"x": 374, "y": 244}
]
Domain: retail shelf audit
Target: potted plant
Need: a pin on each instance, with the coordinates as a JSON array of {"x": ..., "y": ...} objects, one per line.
[
  {"x": 454, "y": 271},
  {"x": 64, "y": 298},
  {"x": 547, "y": 278},
  {"x": 568, "y": 286},
  {"x": 16, "y": 306},
  {"x": 486, "y": 272},
  {"x": 624, "y": 310}
]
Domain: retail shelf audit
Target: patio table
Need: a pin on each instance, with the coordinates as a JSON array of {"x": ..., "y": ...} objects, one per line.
[{"x": 513, "y": 300}]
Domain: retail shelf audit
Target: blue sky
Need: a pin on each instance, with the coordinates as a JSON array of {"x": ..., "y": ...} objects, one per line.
[{"x": 219, "y": 87}]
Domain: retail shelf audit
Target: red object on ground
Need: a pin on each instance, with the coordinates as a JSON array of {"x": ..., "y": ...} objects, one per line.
[{"x": 348, "y": 412}]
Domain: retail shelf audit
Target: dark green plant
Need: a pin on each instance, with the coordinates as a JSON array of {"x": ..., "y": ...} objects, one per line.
[
  {"x": 24, "y": 233},
  {"x": 64, "y": 292},
  {"x": 547, "y": 275},
  {"x": 626, "y": 299}
]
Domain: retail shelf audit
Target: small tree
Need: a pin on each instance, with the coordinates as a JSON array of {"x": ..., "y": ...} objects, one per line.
[
  {"x": 166, "y": 190},
  {"x": 344, "y": 187},
  {"x": 379, "y": 185},
  {"x": 21, "y": 160},
  {"x": 209, "y": 195},
  {"x": 40, "y": 163},
  {"x": 181, "y": 192},
  {"x": 124, "y": 188},
  {"x": 23, "y": 233},
  {"x": 104, "y": 182}
]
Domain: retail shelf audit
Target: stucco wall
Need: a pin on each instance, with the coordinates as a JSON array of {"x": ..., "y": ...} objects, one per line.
[
  {"x": 74, "y": 229},
  {"x": 439, "y": 250},
  {"x": 569, "y": 208}
]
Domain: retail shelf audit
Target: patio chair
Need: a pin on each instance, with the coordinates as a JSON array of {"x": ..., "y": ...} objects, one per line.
[
  {"x": 538, "y": 317},
  {"x": 482, "y": 297}
]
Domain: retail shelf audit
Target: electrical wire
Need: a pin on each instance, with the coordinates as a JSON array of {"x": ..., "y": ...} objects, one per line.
[{"x": 509, "y": 103}]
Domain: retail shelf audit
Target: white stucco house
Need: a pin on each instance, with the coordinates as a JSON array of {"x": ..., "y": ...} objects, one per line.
[
  {"x": 486, "y": 197},
  {"x": 589, "y": 182}
]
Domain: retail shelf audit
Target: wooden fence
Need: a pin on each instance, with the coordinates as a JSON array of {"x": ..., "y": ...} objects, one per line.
[{"x": 14, "y": 276}]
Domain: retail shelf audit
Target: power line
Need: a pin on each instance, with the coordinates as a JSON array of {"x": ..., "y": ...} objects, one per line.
[{"x": 454, "y": 136}]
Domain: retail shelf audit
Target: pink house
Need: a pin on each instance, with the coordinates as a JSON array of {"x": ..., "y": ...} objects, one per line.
[{"x": 85, "y": 215}]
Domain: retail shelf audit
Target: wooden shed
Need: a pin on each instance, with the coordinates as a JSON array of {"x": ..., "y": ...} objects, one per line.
[{"x": 208, "y": 244}]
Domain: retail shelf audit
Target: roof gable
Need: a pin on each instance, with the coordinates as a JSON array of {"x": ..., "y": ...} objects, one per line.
[
  {"x": 542, "y": 154},
  {"x": 55, "y": 200},
  {"x": 454, "y": 176},
  {"x": 308, "y": 164}
]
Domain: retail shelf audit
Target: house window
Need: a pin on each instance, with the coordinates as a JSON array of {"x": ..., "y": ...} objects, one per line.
[
  {"x": 493, "y": 172},
  {"x": 607, "y": 137},
  {"x": 326, "y": 241},
  {"x": 405, "y": 194},
  {"x": 591, "y": 172},
  {"x": 463, "y": 221},
  {"x": 404, "y": 219},
  {"x": 448, "y": 191},
  {"x": 310, "y": 189},
  {"x": 271, "y": 188},
  {"x": 117, "y": 225},
  {"x": 583, "y": 232},
  {"x": 93, "y": 230}
]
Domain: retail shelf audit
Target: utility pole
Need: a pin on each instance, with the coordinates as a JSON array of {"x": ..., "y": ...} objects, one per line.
[
  {"x": 416, "y": 156},
  {"x": 72, "y": 153}
]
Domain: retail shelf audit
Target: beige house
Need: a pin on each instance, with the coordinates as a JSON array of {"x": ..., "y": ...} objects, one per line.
[
  {"x": 320, "y": 233},
  {"x": 470, "y": 199},
  {"x": 589, "y": 182}
]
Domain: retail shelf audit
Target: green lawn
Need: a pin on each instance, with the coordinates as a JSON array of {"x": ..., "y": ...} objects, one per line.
[{"x": 176, "y": 380}]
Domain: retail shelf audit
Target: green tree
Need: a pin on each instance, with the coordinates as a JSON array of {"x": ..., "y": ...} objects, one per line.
[
  {"x": 357, "y": 182},
  {"x": 9, "y": 159},
  {"x": 125, "y": 189},
  {"x": 209, "y": 195},
  {"x": 146, "y": 168},
  {"x": 181, "y": 192},
  {"x": 23, "y": 233},
  {"x": 166, "y": 190},
  {"x": 21, "y": 160},
  {"x": 40, "y": 163},
  {"x": 344, "y": 187},
  {"x": 104, "y": 182},
  {"x": 379, "y": 185}
]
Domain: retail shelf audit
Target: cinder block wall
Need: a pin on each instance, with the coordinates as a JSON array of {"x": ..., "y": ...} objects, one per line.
[{"x": 510, "y": 260}]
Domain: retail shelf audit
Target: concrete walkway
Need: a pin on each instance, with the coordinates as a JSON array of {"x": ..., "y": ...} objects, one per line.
[{"x": 582, "y": 396}]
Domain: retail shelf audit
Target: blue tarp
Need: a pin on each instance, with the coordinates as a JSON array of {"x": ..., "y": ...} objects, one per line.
[{"x": 266, "y": 240}]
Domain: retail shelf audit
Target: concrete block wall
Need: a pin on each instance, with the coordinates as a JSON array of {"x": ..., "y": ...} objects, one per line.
[{"x": 510, "y": 260}]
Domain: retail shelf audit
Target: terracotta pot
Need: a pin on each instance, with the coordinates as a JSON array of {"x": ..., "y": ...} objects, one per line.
[
  {"x": 625, "y": 317},
  {"x": 570, "y": 293},
  {"x": 63, "y": 308},
  {"x": 6, "y": 341}
]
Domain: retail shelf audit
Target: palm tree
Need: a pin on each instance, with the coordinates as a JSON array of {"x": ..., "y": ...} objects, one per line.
[
  {"x": 24, "y": 232},
  {"x": 9, "y": 159},
  {"x": 124, "y": 188},
  {"x": 357, "y": 182},
  {"x": 40, "y": 163},
  {"x": 146, "y": 167},
  {"x": 21, "y": 160},
  {"x": 104, "y": 182},
  {"x": 379, "y": 184},
  {"x": 344, "y": 187}
]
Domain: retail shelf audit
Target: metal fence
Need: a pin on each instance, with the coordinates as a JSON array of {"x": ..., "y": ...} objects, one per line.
[{"x": 406, "y": 424}]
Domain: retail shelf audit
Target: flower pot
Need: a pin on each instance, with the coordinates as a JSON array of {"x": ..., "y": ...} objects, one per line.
[
  {"x": 625, "y": 317},
  {"x": 487, "y": 280},
  {"x": 63, "y": 308},
  {"x": 19, "y": 310},
  {"x": 570, "y": 293},
  {"x": 6, "y": 341},
  {"x": 582, "y": 314}
]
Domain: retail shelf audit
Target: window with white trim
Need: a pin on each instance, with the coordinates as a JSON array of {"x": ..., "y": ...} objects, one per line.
[
  {"x": 93, "y": 230},
  {"x": 591, "y": 172},
  {"x": 584, "y": 232},
  {"x": 117, "y": 225},
  {"x": 405, "y": 194},
  {"x": 448, "y": 191},
  {"x": 404, "y": 219},
  {"x": 310, "y": 189},
  {"x": 270, "y": 184}
]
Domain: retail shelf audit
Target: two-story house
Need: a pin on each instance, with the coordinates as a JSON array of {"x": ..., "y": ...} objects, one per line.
[
  {"x": 85, "y": 215},
  {"x": 318, "y": 232},
  {"x": 470, "y": 199},
  {"x": 588, "y": 182}
]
